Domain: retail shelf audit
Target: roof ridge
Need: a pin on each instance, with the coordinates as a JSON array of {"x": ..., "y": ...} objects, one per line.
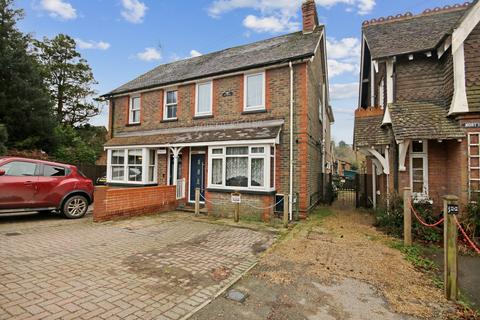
[{"x": 408, "y": 15}]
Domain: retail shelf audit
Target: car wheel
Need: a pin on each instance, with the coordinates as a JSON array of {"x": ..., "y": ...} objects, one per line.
[{"x": 75, "y": 207}]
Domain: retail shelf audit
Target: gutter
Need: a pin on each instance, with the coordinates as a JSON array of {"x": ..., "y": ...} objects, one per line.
[{"x": 290, "y": 196}]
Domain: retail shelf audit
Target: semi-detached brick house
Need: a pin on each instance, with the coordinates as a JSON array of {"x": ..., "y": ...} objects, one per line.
[
  {"x": 222, "y": 122},
  {"x": 419, "y": 109}
]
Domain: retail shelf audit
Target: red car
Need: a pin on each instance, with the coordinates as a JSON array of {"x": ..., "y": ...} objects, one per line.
[{"x": 34, "y": 185}]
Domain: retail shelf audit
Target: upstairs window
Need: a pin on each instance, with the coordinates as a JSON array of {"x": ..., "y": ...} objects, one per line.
[
  {"x": 381, "y": 94},
  {"x": 134, "y": 114},
  {"x": 254, "y": 92},
  {"x": 204, "y": 99},
  {"x": 170, "y": 110}
]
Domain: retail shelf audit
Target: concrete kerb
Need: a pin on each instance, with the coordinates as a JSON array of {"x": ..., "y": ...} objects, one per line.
[{"x": 222, "y": 291}]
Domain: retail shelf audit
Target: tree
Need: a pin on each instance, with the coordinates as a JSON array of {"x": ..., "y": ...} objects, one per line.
[
  {"x": 3, "y": 139},
  {"x": 25, "y": 106},
  {"x": 69, "y": 78},
  {"x": 72, "y": 148}
]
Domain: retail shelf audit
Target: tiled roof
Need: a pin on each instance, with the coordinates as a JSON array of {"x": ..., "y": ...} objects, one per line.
[
  {"x": 369, "y": 132},
  {"x": 275, "y": 50},
  {"x": 423, "y": 120},
  {"x": 233, "y": 132},
  {"x": 411, "y": 34}
]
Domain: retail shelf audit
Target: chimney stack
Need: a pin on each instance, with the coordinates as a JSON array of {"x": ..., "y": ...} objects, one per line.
[{"x": 310, "y": 16}]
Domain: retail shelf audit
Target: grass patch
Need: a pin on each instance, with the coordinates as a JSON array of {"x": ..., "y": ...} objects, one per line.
[
  {"x": 319, "y": 214},
  {"x": 413, "y": 254}
]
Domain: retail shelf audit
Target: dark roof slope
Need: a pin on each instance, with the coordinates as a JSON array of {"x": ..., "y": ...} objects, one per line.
[
  {"x": 411, "y": 34},
  {"x": 369, "y": 132},
  {"x": 284, "y": 48},
  {"x": 423, "y": 120}
]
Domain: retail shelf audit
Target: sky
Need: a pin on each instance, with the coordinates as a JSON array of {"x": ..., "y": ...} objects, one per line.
[{"x": 122, "y": 39}]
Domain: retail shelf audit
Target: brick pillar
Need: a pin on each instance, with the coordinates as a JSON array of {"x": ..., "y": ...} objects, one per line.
[{"x": 100, "y": 204}]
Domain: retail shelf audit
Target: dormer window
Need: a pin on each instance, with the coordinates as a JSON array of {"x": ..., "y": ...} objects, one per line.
[
  {"x": 254, "y": 92},
  {"x": 134, "y": 110}
]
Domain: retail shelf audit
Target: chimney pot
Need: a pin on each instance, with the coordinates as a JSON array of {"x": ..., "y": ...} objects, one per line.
[{"x": 310, "y": 16}]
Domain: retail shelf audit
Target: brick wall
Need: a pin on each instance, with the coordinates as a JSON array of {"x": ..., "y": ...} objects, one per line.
[
  {"x": 111, "y": 203},
  {"x": 219, "y": 203}
]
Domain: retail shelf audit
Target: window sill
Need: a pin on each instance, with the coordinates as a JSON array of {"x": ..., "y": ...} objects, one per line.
[
  {"x": 133, "y": 124},
  {"x": 254, "y": 111},
  {"x": 169, "y": 120},
  {"x": 199, "y": 117},
  {"x": 253, "y": 192}
]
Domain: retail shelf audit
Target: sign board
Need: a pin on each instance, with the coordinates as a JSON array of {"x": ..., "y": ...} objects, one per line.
[
  {"x": 236, "y": 198},
  {"x": 471, "y": 125},
  {"x": 452, "y": 209},
  {"x": 162, "y": 151}
]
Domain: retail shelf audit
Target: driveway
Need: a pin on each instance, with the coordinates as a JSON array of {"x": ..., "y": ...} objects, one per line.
[{"x": 158, "y": 267}]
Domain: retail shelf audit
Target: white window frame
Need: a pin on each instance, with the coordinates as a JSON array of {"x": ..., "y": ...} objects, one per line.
[
  {"x": 381, "y": 93},
  {"x": 131, "y": 110},
  {"x": 423, "y": 155},
  {"x": 204, "y": 113},
  {"x": 145, "y": 167},
  {"x": 266, "y": 156},
  {"x": 245, "y": 91},
  {"x": 165, "y": 104}
]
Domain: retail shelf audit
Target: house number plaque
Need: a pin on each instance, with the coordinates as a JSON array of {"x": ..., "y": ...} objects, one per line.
[
  {"x": 236, "y": 198},
  {"x": 452, "y": 209}
]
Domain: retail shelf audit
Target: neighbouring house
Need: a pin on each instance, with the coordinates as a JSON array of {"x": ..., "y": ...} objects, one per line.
[
  {"x": 341, "y": 166},
  {"x": 418, "y": 118},
  {"x": 254, "y": 118}
]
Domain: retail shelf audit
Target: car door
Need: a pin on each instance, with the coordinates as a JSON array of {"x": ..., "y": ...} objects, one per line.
[
  {"x": 18, "y": 184},
  {"x": 52, "y": 185}
]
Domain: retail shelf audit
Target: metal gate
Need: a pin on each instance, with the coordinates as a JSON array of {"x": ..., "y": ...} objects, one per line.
[{"x": 354, "y": 193}]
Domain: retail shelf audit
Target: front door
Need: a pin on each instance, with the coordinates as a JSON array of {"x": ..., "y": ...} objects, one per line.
[{"x": 197, "y": 176}]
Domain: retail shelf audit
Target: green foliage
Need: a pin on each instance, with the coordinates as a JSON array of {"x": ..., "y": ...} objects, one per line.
[
  {"x": 391, "y": 221},
  {"x": 25, "y": 106},
  {"x": 413, "y": 254},
  {"x": 472, "y": 218},
  {"x": 3, "y": 139},
  {"x": 69, "y": 78},
  {"x": 95, "y": 137},
  {"x": 72, "y": 148}
]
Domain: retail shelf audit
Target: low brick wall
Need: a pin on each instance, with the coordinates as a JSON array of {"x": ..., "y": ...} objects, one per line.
[
  {"x": 111, "y": 203},
  {"x": 220, "y": 204}
]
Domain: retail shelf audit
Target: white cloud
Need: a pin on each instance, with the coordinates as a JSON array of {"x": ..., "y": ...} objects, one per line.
[
  {"x": 134, "y": 10},
  {"x": 284, "y": 10},
  {"x": 342, "y": 91},
  {"x": 336, "y": 68},
  {"x": 270, "y": 24},
  {"x": 345, "y": 48},
  {"x": 59, "y": 9},
  {"x": 100, "y": 45},
  {"x": 194, "y": 53},
  {"x": 149, "y": 54}
]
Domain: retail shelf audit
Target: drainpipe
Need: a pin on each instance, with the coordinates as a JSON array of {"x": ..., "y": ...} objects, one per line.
[{"x": 290, "y": 202}]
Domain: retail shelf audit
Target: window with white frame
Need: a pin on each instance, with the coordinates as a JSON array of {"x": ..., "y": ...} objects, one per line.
[
  {"x": 170, "y": 109},
  {"x": 132, "y": 166},
  {"x": 204, "y": 99},
  {"x": 474, "y": 166},
  {"x": 241, "y": 167},
  {"x": 134, "y": 114},
  {"x": 254, "y": 92},
  {"x": 419, "y": 169}
]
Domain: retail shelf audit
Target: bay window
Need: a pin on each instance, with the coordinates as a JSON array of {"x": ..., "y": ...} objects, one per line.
[
  {"x": 241, "y": 167},
  {"x": 254, "y": 92},
  {"x": 204, "y": 99},
  {"x": 132, "y": 166}
]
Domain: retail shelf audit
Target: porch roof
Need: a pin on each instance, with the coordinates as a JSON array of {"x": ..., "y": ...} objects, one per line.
[
  {"x": 259, "y": 130},
  {"x": 369, "y": 132},
  {"x": 423, "y": 120}
]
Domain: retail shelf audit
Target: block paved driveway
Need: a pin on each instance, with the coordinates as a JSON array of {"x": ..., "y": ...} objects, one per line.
[{"x": 159, "y": 267}]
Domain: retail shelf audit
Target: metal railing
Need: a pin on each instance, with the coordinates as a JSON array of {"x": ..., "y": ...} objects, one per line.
[{"x": 181, "y": 188}]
